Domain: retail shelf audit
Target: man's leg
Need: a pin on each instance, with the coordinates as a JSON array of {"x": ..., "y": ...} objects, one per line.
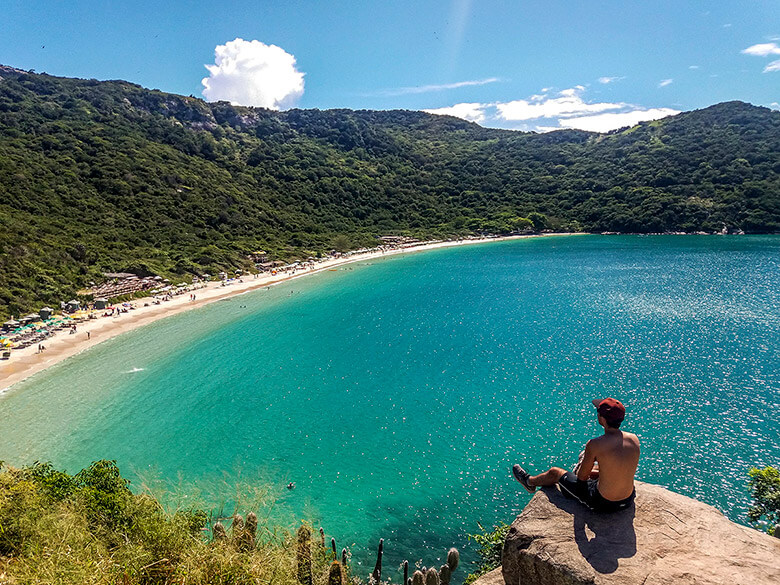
[
  {"x": 531, "y": 482},
  {"x": 549, "y": 477}
]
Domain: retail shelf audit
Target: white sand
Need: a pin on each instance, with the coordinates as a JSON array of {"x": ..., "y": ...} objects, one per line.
[{"x": 26, "y": 362}]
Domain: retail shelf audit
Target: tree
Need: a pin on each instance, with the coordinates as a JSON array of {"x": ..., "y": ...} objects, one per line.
[{"x": 765, "y": 489}]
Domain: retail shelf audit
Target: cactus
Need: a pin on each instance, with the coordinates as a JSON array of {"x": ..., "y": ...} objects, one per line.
[
  {"x": 219, "y": 531},
  {"x": 376, "y": 576},
  {"x": 406, "y": 572},
  {"x": 431, "y": 577},
  {"x": 303, "y": 551},
  {"x": 336, "y": 574},
  {"x": 409, "y": 581},
  {"x": 445, "y": 574},
  {"x": 453, "y": 558},
  {"x": 344, "y": 558},
  {"x": 418, "y": 578},
  {"x": 238, "y": 525},
  {"x": 322, "y": 537},
  {"x": 333, "y": 548},
  {"x": 247, "y": 536}
]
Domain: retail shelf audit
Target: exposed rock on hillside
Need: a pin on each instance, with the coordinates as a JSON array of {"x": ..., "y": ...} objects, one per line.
[{"x": 667, "y": 538}]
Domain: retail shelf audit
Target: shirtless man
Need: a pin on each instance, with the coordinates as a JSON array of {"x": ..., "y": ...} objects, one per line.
[{"x": 604, "y": 479}]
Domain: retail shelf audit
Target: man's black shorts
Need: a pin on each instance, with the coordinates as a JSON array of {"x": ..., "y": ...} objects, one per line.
[{"x": 587, "y": 492}]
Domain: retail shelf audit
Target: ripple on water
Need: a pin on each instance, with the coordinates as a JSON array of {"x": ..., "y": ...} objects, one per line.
[{"x": 398, "y": 395}]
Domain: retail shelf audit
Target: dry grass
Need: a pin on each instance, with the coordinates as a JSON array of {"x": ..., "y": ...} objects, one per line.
[{"x": 90, "y": 529}]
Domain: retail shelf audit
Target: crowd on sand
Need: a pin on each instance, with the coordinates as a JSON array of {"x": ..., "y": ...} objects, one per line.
[{"x": 38, "y": 327}]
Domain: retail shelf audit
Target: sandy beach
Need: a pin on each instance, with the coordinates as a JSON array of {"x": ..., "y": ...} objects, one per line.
[{"x": 26, "y": 362}]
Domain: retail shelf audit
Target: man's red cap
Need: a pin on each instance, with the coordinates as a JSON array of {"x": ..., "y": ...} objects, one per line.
[{"x": 611, "y": 409}]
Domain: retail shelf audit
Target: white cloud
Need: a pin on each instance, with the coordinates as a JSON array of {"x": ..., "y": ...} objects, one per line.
[
  {"x": 432, "y": 88},
  {"x": 762, "y": 50},
  {"x": 665, "y": 82},
  {"x": 251, "y": 73},
  {"x": 773, "y": 66},
  {"x": 545, "y": 112},
  {"x": 613, "y": 120},
  {"x": 765, "y": 50},
  {"x": 693, "y": 67},
  {"x": 606, "y": 80},
  {"x": 473, "y": 112},
  {"x": 568, "y": 103}
]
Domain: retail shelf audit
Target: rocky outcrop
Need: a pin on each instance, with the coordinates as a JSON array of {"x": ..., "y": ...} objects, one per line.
[{"x": 665, "y": 538}]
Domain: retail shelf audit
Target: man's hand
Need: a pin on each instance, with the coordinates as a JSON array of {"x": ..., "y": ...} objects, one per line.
[{"x": 594, "y": 473}]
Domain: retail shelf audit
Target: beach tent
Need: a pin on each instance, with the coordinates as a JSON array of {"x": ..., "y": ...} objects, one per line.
[
  {"x": 101, "y": 304},
  {"x": 12, "y": 324},
  {"x": 46, "y": 313},
  {"x": 72, "y": 306}
]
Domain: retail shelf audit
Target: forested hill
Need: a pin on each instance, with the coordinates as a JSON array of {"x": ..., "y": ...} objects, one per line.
[{"x": 108, "y": 176}]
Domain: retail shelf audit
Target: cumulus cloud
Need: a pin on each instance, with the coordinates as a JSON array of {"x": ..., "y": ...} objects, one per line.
[
  {"x": 665, "y": 82},
  {"x": 440, "y": 87},
  {"x": 473, "y": 112},
  {"x": 613, "y": 120},
  {"x": 567, "y": 103},
  {"x": 546, "y": 112},
  {"x": 251, "y": 73},
  {"x": 762, "y": 50}
]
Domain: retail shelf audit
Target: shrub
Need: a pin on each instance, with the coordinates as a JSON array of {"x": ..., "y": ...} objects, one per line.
[
  {"x": 491, "y": 543},
  {"x": 765, "y": 489}
]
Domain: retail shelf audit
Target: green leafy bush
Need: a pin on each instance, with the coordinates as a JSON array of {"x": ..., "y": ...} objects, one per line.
[
  {"x": 765, "y": 489},
  {"x": 490, "y": 543}
]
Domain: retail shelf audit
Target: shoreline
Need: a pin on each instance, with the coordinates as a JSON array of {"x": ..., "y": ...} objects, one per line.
[{"x": 26, "y": 362}]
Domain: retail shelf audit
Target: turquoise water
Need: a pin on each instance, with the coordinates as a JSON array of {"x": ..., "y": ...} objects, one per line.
[{"x": 397, "y": 393}]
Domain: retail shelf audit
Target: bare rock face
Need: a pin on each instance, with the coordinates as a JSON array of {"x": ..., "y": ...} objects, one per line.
[{"x": 665, "y": 538}]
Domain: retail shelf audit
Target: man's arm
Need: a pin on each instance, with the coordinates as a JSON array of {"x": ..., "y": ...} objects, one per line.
[{"x": 587, "y": 462}]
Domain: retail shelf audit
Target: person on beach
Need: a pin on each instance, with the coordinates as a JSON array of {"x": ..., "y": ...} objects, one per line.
[{"x": 603, "y": 479}]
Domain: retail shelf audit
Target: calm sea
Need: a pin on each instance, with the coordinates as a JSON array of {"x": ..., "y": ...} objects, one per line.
[{"x": 397, "y": 393}]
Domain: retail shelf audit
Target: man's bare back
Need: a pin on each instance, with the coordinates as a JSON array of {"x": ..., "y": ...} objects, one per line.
[{"x": 617, "y": 454}]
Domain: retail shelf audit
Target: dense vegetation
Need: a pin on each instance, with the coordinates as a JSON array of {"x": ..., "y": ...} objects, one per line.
[
  {"x": 108, "y": 176},
  {"x": 90, "y": 528}
]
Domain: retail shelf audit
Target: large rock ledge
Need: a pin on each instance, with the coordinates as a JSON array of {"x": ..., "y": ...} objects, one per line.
[{"x": 666, "y": 538}]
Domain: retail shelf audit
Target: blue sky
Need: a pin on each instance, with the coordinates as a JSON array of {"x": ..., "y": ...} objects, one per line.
[{"x": 525, "y": 65}]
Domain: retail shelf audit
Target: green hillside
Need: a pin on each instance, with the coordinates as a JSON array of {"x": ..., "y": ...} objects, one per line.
[{"x": 109, "y": 176}]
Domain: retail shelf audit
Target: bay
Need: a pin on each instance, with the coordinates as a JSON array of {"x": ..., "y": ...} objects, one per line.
[{"x": 397, "y": 393}]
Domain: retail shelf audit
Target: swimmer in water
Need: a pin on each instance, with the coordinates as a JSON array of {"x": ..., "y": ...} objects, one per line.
[{"x": 291, "y": 486}]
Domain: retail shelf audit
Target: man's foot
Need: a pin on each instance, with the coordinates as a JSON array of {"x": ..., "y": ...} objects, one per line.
[{"x": 522, "y": 476}]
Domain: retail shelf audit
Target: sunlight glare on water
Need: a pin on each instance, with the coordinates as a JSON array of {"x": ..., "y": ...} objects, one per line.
[{"x": 397, "y": 393}]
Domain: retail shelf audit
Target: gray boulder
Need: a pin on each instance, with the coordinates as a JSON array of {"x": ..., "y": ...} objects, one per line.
[{"x": 665, "y": 538}]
